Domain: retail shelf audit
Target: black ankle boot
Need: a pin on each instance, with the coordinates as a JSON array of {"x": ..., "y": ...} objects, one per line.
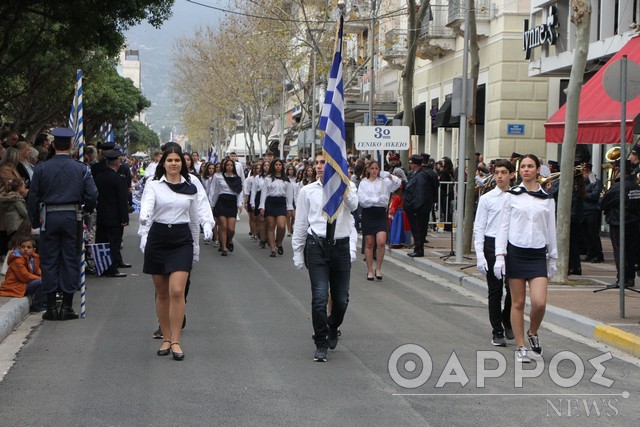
[
  {"x": 66, "y": 312},
  {"x": 52, "y": 308}
]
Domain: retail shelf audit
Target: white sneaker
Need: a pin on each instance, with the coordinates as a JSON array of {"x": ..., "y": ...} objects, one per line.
[{"x": 522, "y": 355}]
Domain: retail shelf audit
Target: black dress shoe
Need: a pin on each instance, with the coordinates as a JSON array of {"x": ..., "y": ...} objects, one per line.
[
  {"x": 575, "y": 272},
  {"x": 116, "y": 274},
  {"x": 416, "y": 255},
  {"x": 67, "y": 313},
  {"x": 124, "y": 265},
  {"x": 164, "y": 351},
  {"x": 176, "y": 356}
]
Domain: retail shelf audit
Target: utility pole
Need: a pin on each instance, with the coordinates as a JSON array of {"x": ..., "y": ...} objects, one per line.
[{"x": 462, "y": 138}]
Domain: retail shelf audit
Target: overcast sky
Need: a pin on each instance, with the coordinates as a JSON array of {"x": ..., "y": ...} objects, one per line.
[{"x": 156, "y": 48}]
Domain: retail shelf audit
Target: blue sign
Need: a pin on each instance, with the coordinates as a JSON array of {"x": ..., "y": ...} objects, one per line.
[
  {"x": 381, "y": 119},
  {"x": 515, "y": 129}
]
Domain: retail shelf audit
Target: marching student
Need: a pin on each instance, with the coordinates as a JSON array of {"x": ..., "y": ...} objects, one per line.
[
  {"x": 276, "y": 203},
  {"x": 526, "y": 251},
  {"x": 485, "y": 229},
  {"x": 226, "y": 197}
]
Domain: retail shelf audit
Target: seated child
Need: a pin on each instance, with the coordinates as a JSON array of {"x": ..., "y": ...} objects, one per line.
[{"x": 23, "y": 276}]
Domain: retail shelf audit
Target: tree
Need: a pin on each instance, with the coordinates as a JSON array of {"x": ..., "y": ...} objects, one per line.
[
  {"x": 414, "y": 26},
  {"x": 140, "y": 136},
  {"x": 581, "y": 18}
]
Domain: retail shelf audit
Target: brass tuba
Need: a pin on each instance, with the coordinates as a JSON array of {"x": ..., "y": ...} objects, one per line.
[{"x": 612, "y": 157}]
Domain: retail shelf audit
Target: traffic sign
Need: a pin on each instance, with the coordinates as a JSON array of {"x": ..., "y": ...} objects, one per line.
[
  {"x": 382, "y": 138},
  {"x": 611, "y": 80},
  {"x": 381, "y": 119}
]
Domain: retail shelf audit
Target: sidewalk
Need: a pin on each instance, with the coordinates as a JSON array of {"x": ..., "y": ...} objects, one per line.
[{"x": 573, "y": 306}]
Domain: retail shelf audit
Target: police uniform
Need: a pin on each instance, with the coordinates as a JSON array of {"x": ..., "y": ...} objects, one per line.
[
  {"x": 60, "y": 186},
  {"x": 112, "y": 212}
]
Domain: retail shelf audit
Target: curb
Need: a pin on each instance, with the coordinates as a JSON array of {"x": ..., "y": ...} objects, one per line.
[
  {"x": 12, "y": 313},
  {"x": 569, "y": 320}
]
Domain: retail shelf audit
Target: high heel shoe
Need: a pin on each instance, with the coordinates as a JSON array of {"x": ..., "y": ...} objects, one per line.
[
  {"x": 164, "y": 352},
  {"x": 176, "y": 355}
]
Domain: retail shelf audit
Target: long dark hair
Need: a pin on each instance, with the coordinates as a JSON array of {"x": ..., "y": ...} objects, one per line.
[
  {"x": 223, "y": 167},
  {"x": 160, "y": 169},
  {"x": 272, "y": 170},
  {"x": 205, "y": 170}
]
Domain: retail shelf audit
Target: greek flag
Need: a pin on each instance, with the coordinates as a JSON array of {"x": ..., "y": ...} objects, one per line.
[
  {"x": 210, "y": 154},
  {"x": 335, "y": 183},
  {"x": 75, "y": 117},
  {"x": 101, "y": 256}
]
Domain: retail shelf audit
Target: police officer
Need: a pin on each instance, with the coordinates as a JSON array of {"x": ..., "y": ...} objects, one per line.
[
  {"x": 59, "y": 189},
  {"x": 112, "y": 211}
]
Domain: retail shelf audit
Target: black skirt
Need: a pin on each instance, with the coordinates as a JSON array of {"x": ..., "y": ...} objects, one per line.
[
  {"x": 227, "y": 206},
  {"x": 169, "y": 248},
  {"x": 525, "y": 263},
  {"x": 275, "y": 206},
  {"x": 256, "y": 201},
  {"x": 374, "y": 220}
]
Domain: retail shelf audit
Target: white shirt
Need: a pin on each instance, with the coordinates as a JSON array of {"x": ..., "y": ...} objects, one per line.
[
  {"x": 219, "y": 186},
  {"x": 376, "y": 193},
  {"x": 161, "y": 204},
  {"x": 240, "y": 170},
  {"x": 248, "y": 184},
  {"x": 528, "y": 222},
  {"x": 277, "y": 188},
  {"x": 150, "y": 171},
  {"x": 488, "y": 217},
  {"x": 309, "y": 217},
  {"x": 258, "y": 183}
]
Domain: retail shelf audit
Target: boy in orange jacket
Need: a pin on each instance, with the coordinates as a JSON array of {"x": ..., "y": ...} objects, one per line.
[{"x": 23, "y": 276}]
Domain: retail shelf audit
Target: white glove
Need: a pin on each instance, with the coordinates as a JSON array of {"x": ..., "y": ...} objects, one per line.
[
  {"x": 482, "y": 265},
  {"x": 196, "y": 253},
  {"x": 552, "y": 267},
  {"x": 143, "y": 242},
  {"x": 498, "y": 267},
  {"x": 352, "y": 256},
  {"x": 298, "y": 260},
  {"x": 208, "y": 232}
]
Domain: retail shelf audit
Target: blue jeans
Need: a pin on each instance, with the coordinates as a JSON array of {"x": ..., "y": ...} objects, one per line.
[{"x": 326, "y": 275}]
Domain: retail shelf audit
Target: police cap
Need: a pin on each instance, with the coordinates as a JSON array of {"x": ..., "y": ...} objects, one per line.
[
  {"x": 112, "y": 154},
  {"x": 416, "y": 159},
  {"x": 63, "y": 134},
  {"x": 106, "y": 145}
]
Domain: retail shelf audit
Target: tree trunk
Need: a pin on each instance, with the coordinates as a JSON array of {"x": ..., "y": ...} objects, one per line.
[
  {"x": 470, "y": 148},
  {"x": 582, "y": 20},
  {"x": 414, "y": 27}
]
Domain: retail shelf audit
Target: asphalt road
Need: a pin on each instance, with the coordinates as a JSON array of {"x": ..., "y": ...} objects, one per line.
[{"x": 249, "y": 357}]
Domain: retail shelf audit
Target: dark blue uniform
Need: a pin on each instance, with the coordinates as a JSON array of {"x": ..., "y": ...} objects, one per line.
[{"x": 61, "y": 184}]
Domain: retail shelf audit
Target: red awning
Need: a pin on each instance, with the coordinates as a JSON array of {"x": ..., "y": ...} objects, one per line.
[{"x": 599, "y": 115}]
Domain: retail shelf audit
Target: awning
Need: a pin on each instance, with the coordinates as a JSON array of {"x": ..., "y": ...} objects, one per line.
[
  {"x": 444, "y": 119},
  {"x": 598, "y": 114},
  {"x": 419, "y": 117}
]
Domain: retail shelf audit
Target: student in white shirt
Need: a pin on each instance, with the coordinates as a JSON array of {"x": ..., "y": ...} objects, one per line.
[
  {"x": 276, "y": 203},
  {"x": 226, "y": 196},
  {"x": 485, "y": 229},
  {"x": 293, "y": 179},
  {"x": 527, "y": 238},
  {"x": 172, "y": 211},
  {"x": 256, "y": 195},
  {"x": 328, "y": 260},
  {"x": 248, "y": 184},
  {"x": 373, "y": 197}
]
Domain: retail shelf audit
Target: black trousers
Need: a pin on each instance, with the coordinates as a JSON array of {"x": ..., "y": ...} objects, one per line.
[
  {"x": 418, "y": 224},
  {"x": 113, "y": 236},
  {"x": 591, "y": 235},
  {"x": 59, "y": 254},
  {"x": 576, "y": 231},
  {"x": 631, "y": 249},
  {"x": 499, "y": 317}
]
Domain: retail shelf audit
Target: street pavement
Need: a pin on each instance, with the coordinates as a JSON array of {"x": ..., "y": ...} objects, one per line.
[{"x": 249, "y": 356}]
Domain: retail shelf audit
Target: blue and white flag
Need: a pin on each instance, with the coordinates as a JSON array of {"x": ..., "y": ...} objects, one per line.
[
  {"x": 210, "y": 154},
  {"x": 215, "y": 156},
  {"x": 335, "y": 183},
  {"x": 102, "y": 257},
  {"x": 76, "y": 117}
]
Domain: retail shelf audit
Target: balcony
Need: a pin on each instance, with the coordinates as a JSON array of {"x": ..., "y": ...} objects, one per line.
[
  {"x": 436, "y": 39},
  {"x": 358, "y": 16},
  {"x": 394, "y": 50},
  {"x": 457, "y": 14}
]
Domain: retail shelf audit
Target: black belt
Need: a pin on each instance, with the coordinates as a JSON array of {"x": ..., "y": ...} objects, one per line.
[{"x": 336, "y": 242}]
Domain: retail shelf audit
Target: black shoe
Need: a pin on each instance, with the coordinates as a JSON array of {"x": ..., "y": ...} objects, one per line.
[
  {"x": 157, "y": 335},
  {"x": 176, "y": 356},
  {"x": 273, "y": 254},
  {"x": 378, "y": 277},
  {"x": 230, "y": 247},
  {"x": 124, "y": 265},
  {"x": 416, "y": 254},
  {"x": 534, "y": 342},
  {"x": 320, "y": 355},
  {"x": 262, "y": 244},
  {"x": 333, "y": 337},
  {"x": 51, "y": 315},
  {"x": 369, "y": 278},
  {"x": 116, "y": 274},
  {"x": 37, "y": 308},
  {"x": 164, "y": 351},
  {"x": 90, "y": 271},
  {"x": 508, "y": 333},
  {"x": 280, "y": 250},
  {"x": 577, "y": 272},
  {"x": 223, "y": 253},
  {"x": 52, "y": 308},
  {"x": 67, "y": 313},
  {"x": 498, "y": 340}
]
